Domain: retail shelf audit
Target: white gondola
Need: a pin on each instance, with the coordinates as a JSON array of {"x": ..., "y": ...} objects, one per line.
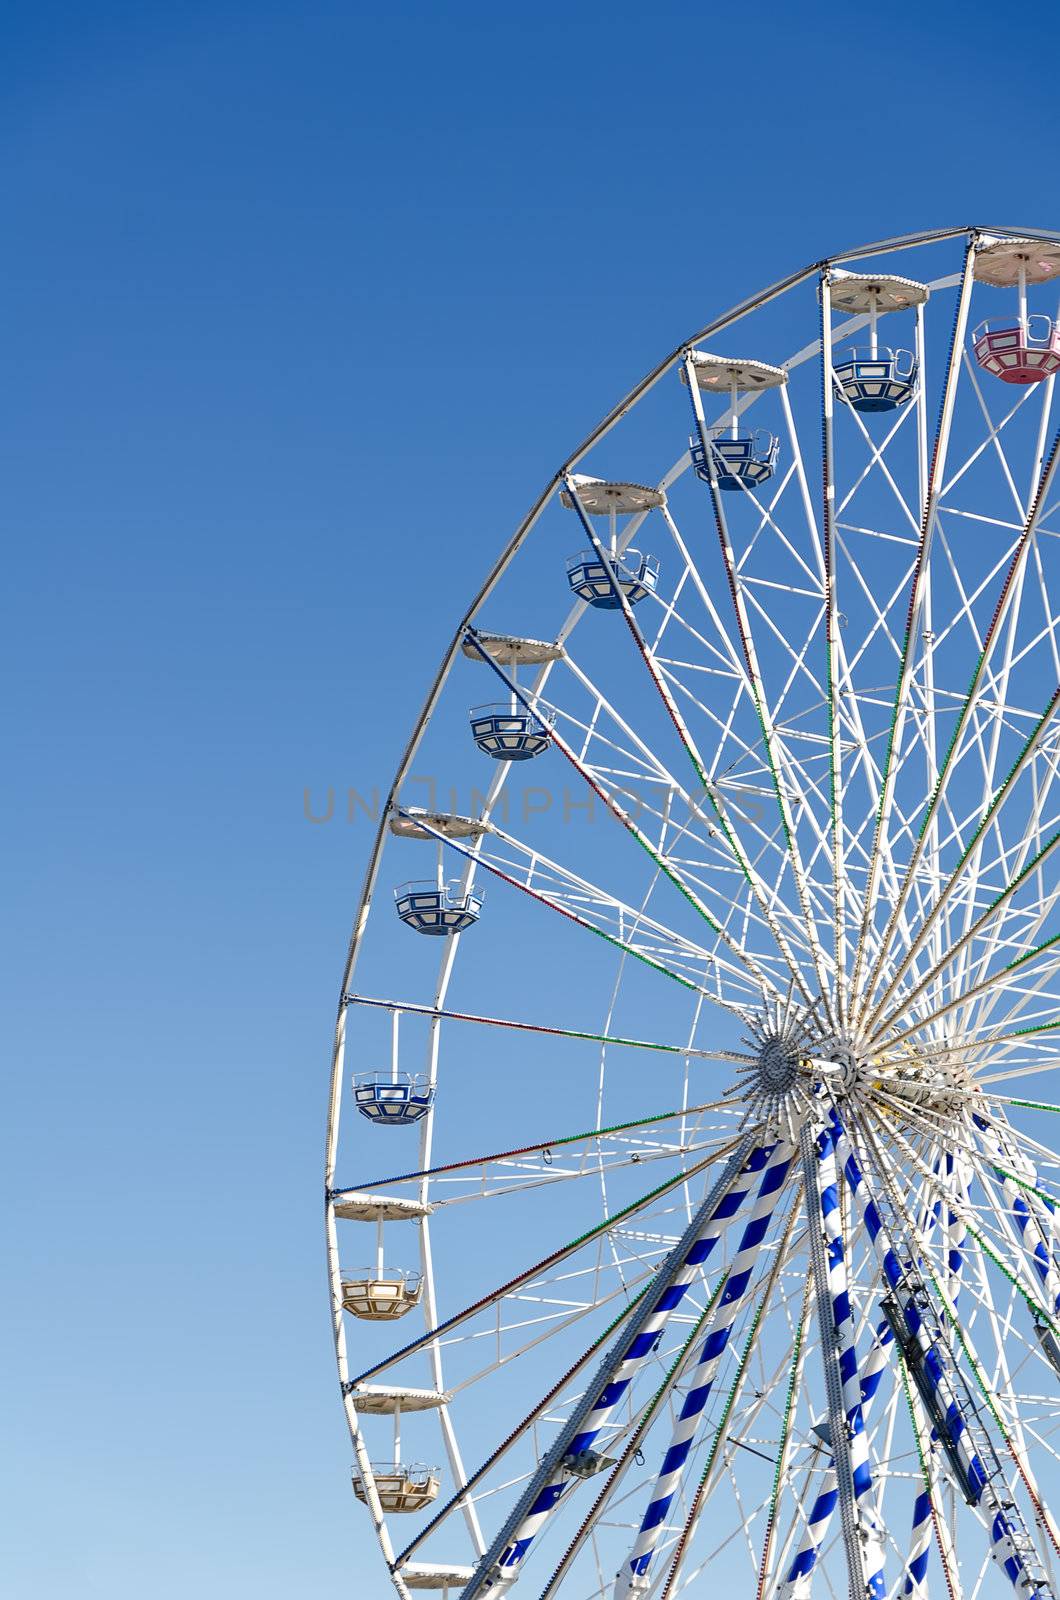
[
  {"x": 400, "y": 1488},
  {"x": 383, "y": 1298},
  {"x": 447, "y": 1576},
  {"x": 385, "y": 1399}
]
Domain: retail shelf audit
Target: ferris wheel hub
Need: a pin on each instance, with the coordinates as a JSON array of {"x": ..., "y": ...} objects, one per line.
[
  {"x": 941, "y": 1083},
  {"x": 778, "y": 1083},
  {"x": 778, "y": 1067}
]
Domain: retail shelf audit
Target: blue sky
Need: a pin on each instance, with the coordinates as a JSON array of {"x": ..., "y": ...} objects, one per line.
[{"x": 300, "y": 306}]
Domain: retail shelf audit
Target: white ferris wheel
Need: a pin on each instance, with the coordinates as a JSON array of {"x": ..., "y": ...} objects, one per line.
[{"x": 693, "y": 1217}]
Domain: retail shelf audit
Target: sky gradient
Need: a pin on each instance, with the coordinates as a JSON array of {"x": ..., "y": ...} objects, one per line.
[{"x": 300, "y": 307}]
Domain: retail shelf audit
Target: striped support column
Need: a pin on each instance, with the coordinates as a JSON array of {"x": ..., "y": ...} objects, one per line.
[
  {"x": 617, "y": 1381},
  {"x": 843, "y": 1319},
  {"x": 956, "y": 1232},
  {"x": 923, "y": 1530},
  {"x": 796, "y": 1586},
  {"x": 1002, "y": 1548},
  {"x": 892, "y": 1272},
  {"x": 1025, "y": 1212},
  {"x": 920, "y": 1547},
  {"x": 633, "y": 1577}
]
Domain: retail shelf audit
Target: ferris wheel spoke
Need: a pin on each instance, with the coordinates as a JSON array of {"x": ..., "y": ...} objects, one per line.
[
  {"x": 1001, "y": 978},
  {"x": 602, "y": 705},
  {"x": 1022, "y": 926},
  {"x": 1031, "y": 992},
  {"x": 546, "y": 1263},
  {"x": 513, "y": 1172},
  {"x": 879, "y": 628},
  {"x": 677, "y": 950},
  {"x": 416, "y": 1009},
  {"x": 997, "y": 905},
  {"x": 727, "y": 651},
  {"x": 724, "y": 734},
  {"x": 876, "y": 460},
  {"x": 771, "y": 845},
  {"x": 521, "y": 1334},
  {"x": 767, "y": 520},
  {"x": 1029, "y": 995},
  {"x": 1008, "y": 1264},
  {"x": 602, "y": 556},
  {"x": 797, "y": 658},
  {"x": 565, "y": 891},
  {"x": 1010, "y": 590},
  {"x": 1034, "y": 1066},
  {"x": 756, "y": 683},
  {"x": 674, "y": 672},
  {"x": 594, "y": 1410},
  {"x": 604, "y": 755},
  {"x": 993, "y": 438},
  {"x": 986, "y": 1041},
  {"x": 665, "y": 866},
  {"x": 724, "y": 814},
  {"x": 534, "y": 1416},
  {"x": 857, "y": 838},
  {"x": 933, "y": 495},
  {"x": 668, "y": 675},
  {"x": 986, "y": 822},
  {"x": 829, "y": 514}
]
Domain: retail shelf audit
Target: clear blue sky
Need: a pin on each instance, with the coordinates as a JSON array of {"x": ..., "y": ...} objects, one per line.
[{"x": 300, "y": 305}]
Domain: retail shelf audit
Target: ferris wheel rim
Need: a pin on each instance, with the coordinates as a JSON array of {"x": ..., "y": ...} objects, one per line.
[{"x": 521, "y": 534}]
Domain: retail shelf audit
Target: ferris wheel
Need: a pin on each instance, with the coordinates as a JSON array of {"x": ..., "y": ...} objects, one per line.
[{"x": 690, "y": 1102}]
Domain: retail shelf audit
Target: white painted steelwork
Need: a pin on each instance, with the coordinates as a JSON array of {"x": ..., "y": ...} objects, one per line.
[{"x": 821, "y": 761}]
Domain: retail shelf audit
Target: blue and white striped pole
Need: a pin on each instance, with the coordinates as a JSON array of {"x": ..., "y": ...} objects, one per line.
[
  {"x": 1035, "y": 1229},
  {"x": 633, "y": 1578},
  {"x": 843, "y": 1319},
  {"x": 920, "y": 1547},
  {"x": 923, "y": 1530},
  {"x": 1003, "y": 1548},
  {"x": 501, "y": 1565},
  {"x": 796, "y": 1585},
  {"x": 893, "y": 1274},
  {"x": 956, "y": 1231}
]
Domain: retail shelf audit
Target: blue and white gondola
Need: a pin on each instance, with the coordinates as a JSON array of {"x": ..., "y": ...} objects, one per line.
[
  {"x": 392, "y": 1102},
  {"x": 721, "y": 453},
  {"x": 633, "y": 574},
  {"x": 438, "y": 910},
  {"x": 508, "y": 733},
  {"x": 874, "y": 378}
]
